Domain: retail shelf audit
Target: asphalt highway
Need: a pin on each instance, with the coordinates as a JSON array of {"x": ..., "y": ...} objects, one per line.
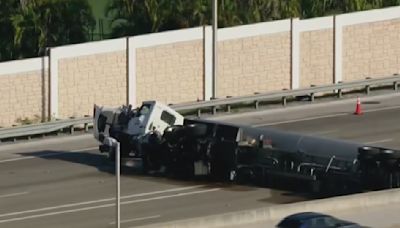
[
  {"x": 65, "y": 182},
  {"x": 378, "y": 125}
]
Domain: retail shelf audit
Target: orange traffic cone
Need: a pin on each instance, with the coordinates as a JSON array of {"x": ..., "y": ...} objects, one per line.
[{"x": 358, "y": 107}]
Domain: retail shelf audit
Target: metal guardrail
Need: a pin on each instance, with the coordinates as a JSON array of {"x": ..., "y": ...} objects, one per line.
[
  {"x": 43, "y": 128},
  {"x": 212, "y": 105}
]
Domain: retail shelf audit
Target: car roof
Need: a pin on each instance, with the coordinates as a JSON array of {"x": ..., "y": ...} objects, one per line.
[{"x": 305, "y": 215}]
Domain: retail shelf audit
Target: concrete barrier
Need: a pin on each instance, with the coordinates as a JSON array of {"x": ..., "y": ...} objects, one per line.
[{"x": 355, "y": 201}]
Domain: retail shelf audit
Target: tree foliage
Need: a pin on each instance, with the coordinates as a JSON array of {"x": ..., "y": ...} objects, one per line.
[
  {"x": 143, "y": 16},
  {"x": 131, "y": 17},
  {"x": 34, "y": 25},
  {"x": 29, "y": 26},
  {"x": 7, "y": 9}
]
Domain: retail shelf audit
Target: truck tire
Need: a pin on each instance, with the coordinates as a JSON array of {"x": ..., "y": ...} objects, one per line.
[
  {"x": 101, "y": 123},
  {"x": 367, "y": 152},
  {"x": 196, "y": 130},
  {"x": 244, "y": 175},
  {"x": 391, "y": 162},
  {"x": 389, "y": 154},
  {"x": 172, "y": 134}
]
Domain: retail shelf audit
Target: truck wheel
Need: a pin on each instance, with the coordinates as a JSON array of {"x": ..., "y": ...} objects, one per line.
[
  {"x": 244, "y": 175},
  {"x": 367, "y": 152},
  {"x": 197, "y": 130},
  {"x": 389, "y": 154},
  {"x": 392, "y": 164},
  {"x": 173, "y": 133}
]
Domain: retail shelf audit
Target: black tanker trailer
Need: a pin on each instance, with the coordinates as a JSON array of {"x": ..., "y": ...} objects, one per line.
[{"x": 275, "y": 158}]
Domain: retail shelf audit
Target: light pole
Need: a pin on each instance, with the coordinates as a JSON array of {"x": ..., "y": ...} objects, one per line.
[
  {"x": 214, "y": 46},
  {"x": 114, "y": 144}
]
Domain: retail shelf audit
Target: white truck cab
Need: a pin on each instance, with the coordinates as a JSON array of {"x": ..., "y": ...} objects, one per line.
[
  {"x": 153, "y": 116},
  {"x": 133, "y": 125}
]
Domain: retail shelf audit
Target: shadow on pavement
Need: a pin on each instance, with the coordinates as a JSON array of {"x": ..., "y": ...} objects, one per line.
[
  {"x": 85, "y": 158},
  {"x": 100, "y": 162}
]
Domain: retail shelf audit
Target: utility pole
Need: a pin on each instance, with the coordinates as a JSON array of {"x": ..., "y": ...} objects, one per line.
[
  {"x": 118, "y": 174},
  {"x": 115, "y": 145},
  {"x": 214, "y": 46}
]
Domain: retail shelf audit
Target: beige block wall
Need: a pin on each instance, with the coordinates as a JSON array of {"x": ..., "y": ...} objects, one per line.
[
  {"x": 170, "y": 73},
  {"x": 316, "y": 58},
  {"x": 93, "y": 79},
  {"x": 253, "y": 64},
  {"x": 22, "y": 97},
  {"x": 371, "y": 50}
]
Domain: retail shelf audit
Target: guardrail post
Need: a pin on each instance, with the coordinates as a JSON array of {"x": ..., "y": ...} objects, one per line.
[
  {"x": 283, "y": 101},
  {"x": 395, "y": 85},
  {"x": 312, "y": 97},
  {"x": 367, "y": 89},
  {"x": 256, "y": 104},
  {"x": 339, "y": 93},
  {"x": 198, "y": 112},
  {"x": 214, "y": 110},
  {"x": 228, "y": 108}
]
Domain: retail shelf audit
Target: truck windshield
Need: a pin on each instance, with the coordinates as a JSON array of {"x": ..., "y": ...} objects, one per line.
[{"x": 144, "y": 110}]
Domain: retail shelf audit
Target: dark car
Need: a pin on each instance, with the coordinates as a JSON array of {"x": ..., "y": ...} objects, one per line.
[{"x": 314, "y": 220}]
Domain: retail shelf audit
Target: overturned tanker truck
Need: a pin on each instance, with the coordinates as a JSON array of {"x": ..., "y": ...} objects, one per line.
[{"x": 163, "y": 141}]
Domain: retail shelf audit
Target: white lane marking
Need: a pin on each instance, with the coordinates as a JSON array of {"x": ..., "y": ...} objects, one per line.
[
  {"x": 171, "y": 196},
  {"x": 57, "y": 213},
  {"x": 14, "y": 194},
  {"x": 137, "y": 219},
  {"x": 383, "y": 98},
  {"x": 328, "y": 116},
  {"x": 101, "y": 200},
  {"x": 379, "y": 141},
  {"x": 299, "y": 120},
  {"x": 86, "y": 149},
  {"x": 323, "y": 132},
  {"x": 325, "y": 116},
  {"x": 31, "y": 157},
  {"x": 46, "y": 155},
  {"x": 108, "y": 205},
  {"x": 28, "y": 144},
  {"x": 382, "y": 109}
]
